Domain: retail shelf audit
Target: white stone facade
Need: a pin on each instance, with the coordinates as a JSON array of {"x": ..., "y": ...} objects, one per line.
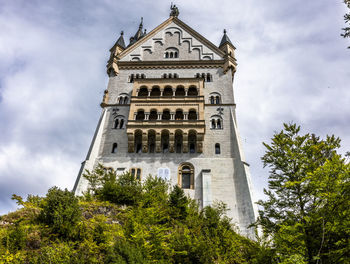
[{"x": 217, "y": 177}]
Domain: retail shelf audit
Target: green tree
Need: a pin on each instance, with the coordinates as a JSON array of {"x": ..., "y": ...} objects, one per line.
[
  {"x": 61, "y": 211},
  {"x": 308, "y": 197},
  {"x": 346, "y": 33}
]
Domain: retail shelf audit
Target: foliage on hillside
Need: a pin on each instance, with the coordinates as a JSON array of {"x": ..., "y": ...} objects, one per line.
[{"x": 121, "y": 220}]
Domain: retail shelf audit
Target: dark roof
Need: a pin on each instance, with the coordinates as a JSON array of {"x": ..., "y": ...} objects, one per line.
[
  {"x": 138, "y": 35},
  {"x": 225, "y": 39},
  {"x": 120, "y": 42}
]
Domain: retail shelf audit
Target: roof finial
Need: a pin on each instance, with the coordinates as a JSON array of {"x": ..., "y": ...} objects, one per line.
[
  {"x": 224, "y": 31},
  {"x": 122, "y": 33},
  {"x": 174, "y": 10},
  {"x": 141, "y": 24}
]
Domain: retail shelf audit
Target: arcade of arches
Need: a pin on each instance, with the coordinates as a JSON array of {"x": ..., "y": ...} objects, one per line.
[{"x": 165, "y": 141}]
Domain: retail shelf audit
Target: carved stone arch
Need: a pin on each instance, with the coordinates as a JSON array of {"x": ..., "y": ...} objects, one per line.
[
  {"x": 155, "y": 92},
  {"x": 138, "y": 140},
  {"x": 165, "y": 140},
  {"x": 140, "y": 114},
  {"x": 168, "y": 91},
  {"x": 192, "y": 114},
  {"x": 153, "y": 114},
  {"x": 192, "y": 91},
  {"x": 186, "y": 176},
  {"x": 179, "y": 114},
  {"x": 216, "y": 98},
  {"x": 151, "y": 140},
  {"x": 178, "y": 140},
  {"x": 143, "y": 91},
  {"x": 180, "y": 90},
  {"x": 216, "y": 122}
]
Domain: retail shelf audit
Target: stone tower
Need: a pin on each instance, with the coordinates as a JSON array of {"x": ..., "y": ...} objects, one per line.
[{"x": 169, "y": 111}]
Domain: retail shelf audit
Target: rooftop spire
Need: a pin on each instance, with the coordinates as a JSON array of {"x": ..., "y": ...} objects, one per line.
[
  {"x": 139, "y": 34},
  {"x": 120, "y": 40},
  {"x": 225, "y": 39}
]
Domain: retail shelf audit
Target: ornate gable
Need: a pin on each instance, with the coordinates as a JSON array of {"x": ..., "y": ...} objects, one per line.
[{"x": 173, "y": 40}]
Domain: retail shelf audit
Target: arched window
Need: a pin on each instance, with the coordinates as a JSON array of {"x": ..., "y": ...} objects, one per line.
[
  {"x": 198, "y": 75},
  {"x": 116, "y": 123},
  {"x": 180, "y": 91},
  {"x": 170, "y": 75},
  {"x": 151, "y": 141},
  {"x": 192, "y": 141},
  {"x": 126, "y": 100},
  {"x": 171, "y": 53},
  {"x": 121, "y": 124},
  {"x": 120, "y": 101},
  {"x": 176, "y": 75},
  {"x": 218, "y": 124},
  {"x": 114, "y": 148},
  {"x": 213, "y": 124},
  {"x": 203, "y": 76},
  {"x": 217, "y": 148},
  {"x": 168, "y": 91},
  {"x": 178, "y": 141},
  {"x": 164, "y": 75},
  {"x": 192, "y": 91},
  {"x": 153, "y": 115},
  {"x": 138, "y": 141},
  {"x": 215, "y": 98},
  {"x": 137, "y": 76},
  {"x": 131, "y": 78},
  {"x": 165, "y": 141},
  {"x": 155, "y": 91},
  {"x": 179, "y": 115},
  {"x": 212, "y": 101},
  {"x": 143, "y": 76},
  {"x": 143, "y": 91},
  {"x": 192, "y": 115},
  {"x": 140, "y": 115},
  {"x": 186, "y": 176},
  {"x": 209, "y": 77},
  {"x": 166, "y": 115}
]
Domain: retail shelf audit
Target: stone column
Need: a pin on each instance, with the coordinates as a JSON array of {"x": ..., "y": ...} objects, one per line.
[
  {"x": 146, "y": 116},
  {"x": 185, "y": 116},
  {"x": 171, "y": 142},
  {"x": 185, "y": 143},
  {"x": 172, "y": 116},
  {"x": 159, "y": 116},
  {"x": 135, "y": 114},
  {"x": 131, "y": 147},
  {"x": 144, "y": 142},
  {"x": 158, "y": 143},
  {"x": 199, "y": 146}
]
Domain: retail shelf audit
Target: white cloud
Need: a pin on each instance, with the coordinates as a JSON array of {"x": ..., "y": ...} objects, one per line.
[{"x": 292, "y": 66}]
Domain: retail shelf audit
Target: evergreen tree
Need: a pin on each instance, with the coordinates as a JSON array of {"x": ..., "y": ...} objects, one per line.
[{"x": 308, "y": 197}]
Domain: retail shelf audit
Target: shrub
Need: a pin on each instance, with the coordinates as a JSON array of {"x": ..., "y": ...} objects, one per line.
[{"x": 60, "y": 211}]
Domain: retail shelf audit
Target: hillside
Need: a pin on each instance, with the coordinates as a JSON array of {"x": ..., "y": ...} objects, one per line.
[{"x": 122, "y": 220}]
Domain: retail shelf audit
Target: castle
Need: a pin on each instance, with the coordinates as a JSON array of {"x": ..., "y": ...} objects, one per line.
[{"x": 169, "y": 111}]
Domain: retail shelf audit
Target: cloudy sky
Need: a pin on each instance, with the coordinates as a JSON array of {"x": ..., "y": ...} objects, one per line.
[{"x": 293, "y": 66}]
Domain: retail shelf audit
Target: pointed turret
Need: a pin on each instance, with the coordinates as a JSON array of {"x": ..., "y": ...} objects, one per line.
[
  {"x": 225, "y": 39},
  {"x": 227, "y": 47},
  {"x": 120, "y": 42},
  {"x": 117, "y": 48},
  {"x": 138, "y": 35}
]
